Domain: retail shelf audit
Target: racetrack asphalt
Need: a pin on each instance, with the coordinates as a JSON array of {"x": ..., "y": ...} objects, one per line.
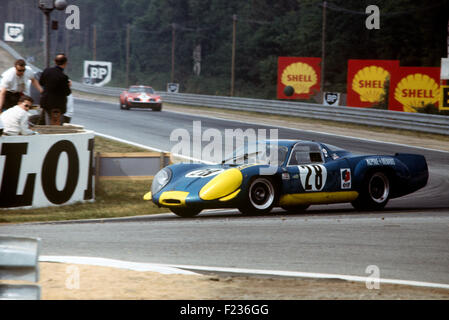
[{"x": 406, "y": 241}]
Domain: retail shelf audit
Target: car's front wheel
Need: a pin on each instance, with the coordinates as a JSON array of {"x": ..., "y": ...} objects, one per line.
[
  {"x": 158, "y": 108},
  {"x": 261, "y": 197},
  {"x": 374, "y": 193},
  {"x": 123, "y": 106},
  {"x": 185, "y": 212}
]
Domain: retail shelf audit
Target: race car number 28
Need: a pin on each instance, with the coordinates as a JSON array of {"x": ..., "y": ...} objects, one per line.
[{"x": 313, "y": 177}]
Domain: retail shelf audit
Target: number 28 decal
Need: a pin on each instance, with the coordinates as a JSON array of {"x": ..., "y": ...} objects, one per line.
[{"x": 313, "y": 177}]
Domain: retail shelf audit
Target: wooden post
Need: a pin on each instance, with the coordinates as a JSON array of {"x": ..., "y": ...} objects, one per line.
[
  {"x": 97, "y": 170},
  {"x": 128, "y": 34},
  {"x": 323, "y": 49},
  {"x": 173, "y": 37},
  {"x": 234, "y": 23},
  {"x": 162, "y": 160},
  {"x": 94, "y": 43}
]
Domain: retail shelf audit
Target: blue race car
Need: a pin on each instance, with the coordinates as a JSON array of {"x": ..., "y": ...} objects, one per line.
[{"x": 290, "y": 174}]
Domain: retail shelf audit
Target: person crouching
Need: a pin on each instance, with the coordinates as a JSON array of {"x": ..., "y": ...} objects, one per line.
[{"x": 15, "y": 119}]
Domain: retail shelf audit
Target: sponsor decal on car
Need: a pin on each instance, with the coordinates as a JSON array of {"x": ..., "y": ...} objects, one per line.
[
  {"x": 345, "y": 178},
  {"x": 380, "y": 161}
]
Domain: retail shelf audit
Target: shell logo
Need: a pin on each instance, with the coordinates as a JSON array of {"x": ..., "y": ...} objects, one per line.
[
  {"x": 416, "y": 90},
  {"x": 369, "y": 83},
  {"x": 300, "y": 76}
]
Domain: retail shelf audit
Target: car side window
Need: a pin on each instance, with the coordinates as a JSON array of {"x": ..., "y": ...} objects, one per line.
[{"x": 305, "y": 153}]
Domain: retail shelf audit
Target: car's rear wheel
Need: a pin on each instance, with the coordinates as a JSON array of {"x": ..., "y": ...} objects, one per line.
[
  {"x": 261, "y": 197},
  {"x": 185, "y": 212},
  {"x": 374, "y": 193}
]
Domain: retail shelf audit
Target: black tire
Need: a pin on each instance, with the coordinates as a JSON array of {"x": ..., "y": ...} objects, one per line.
[
  {"x": 375, "y": 192},
  {"x": 123, "y": 106},
  {"x": 157, "y": 108},
  {"x": 296, "y": 209},
  {"x": 261, "y": 196},
  {"x": 185, "y": 212}
]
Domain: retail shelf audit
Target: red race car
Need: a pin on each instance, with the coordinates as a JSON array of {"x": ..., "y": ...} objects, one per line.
[{"x": 140, "y": 97}]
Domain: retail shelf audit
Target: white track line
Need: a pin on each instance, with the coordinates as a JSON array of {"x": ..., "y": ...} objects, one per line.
[
  {"x": 119, "y": 264},
  {"x": 180, "y": 269}
]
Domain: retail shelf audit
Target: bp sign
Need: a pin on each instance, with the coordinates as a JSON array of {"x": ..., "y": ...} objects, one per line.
[
  {"x": 98, "y": 73},
  {"x": 173, "y": 87},
  {"x": 331, "y": 98},
  {"x": 14, "y": 32}
]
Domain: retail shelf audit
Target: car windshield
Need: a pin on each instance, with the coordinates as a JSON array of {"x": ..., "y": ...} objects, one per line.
[
  {"x": 260, "y": 153},
  {"x": 141, "y": 89}
]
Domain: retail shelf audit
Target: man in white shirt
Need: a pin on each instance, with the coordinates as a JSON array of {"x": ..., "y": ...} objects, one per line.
[
  {"x": 15, "y": 119},
  {"x": 14, "y": 83}
]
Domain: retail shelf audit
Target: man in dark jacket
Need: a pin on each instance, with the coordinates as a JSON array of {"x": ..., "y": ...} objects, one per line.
[{"x": 56, "y": 86}]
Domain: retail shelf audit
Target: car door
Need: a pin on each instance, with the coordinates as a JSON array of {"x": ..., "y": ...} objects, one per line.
[{"x": 311, "y": 170}]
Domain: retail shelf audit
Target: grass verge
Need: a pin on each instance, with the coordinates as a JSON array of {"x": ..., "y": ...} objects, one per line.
[{"x": 114, "y": 198}]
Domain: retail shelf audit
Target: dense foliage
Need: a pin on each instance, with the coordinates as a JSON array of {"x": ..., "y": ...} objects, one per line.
[{"x": 414, "y": 32}]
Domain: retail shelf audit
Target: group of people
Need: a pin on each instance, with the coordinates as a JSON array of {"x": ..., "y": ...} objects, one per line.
[{"x": 15, "y": 101}]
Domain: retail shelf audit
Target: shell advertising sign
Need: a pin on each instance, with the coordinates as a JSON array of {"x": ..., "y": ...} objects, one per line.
[
  {"x": 366, "y": 81},
  {"x": 298, "y": 78},
  {"x": 414, "y": 87}
]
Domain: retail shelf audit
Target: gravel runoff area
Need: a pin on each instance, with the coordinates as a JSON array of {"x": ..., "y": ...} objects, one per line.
[
  {"x": 86, "y": 282},
  {"x": 69, "y": 282}
]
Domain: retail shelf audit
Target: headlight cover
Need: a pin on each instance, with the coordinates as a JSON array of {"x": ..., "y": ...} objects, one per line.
[{"x": 160, "y": 180}]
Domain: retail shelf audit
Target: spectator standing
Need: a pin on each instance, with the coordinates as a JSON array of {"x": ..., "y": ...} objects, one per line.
[
  {"x": 15, "y": 119},
  {"x": 14, "y": 84},
  {"x": 56, "y": 86}
]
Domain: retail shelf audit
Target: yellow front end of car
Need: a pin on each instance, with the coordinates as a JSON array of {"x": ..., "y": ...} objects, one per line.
[
  {"x": 224, "y": 185},
  {"x": 173, "y": 198}
]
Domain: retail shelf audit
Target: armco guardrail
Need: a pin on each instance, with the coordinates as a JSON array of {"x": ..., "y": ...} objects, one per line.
[
  {"x": 19, "y": 261},
  {"x": 373, "y": 117}
]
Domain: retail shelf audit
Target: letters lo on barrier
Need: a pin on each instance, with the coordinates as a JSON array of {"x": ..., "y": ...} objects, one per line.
[{"x": 46, "y": 170}]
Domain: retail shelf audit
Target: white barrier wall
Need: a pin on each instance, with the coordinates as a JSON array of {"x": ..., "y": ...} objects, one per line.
[{"x": 46, "y": 170}]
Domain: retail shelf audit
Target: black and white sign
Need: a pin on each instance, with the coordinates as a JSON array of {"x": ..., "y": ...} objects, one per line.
[
  {"x": 46, "y": 170},
  {"x": 331, "y": 98},
  {"x": 98, "y": 72},
  {"x": 173, "y": 87},
  {"x": 14, "y": 32}
]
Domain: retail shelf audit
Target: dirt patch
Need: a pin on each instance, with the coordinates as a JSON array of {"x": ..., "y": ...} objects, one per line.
[{"x": 66, "y": 281}]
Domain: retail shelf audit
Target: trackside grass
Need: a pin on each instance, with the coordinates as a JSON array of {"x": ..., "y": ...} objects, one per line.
[{"x": 114, "y": 198}]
